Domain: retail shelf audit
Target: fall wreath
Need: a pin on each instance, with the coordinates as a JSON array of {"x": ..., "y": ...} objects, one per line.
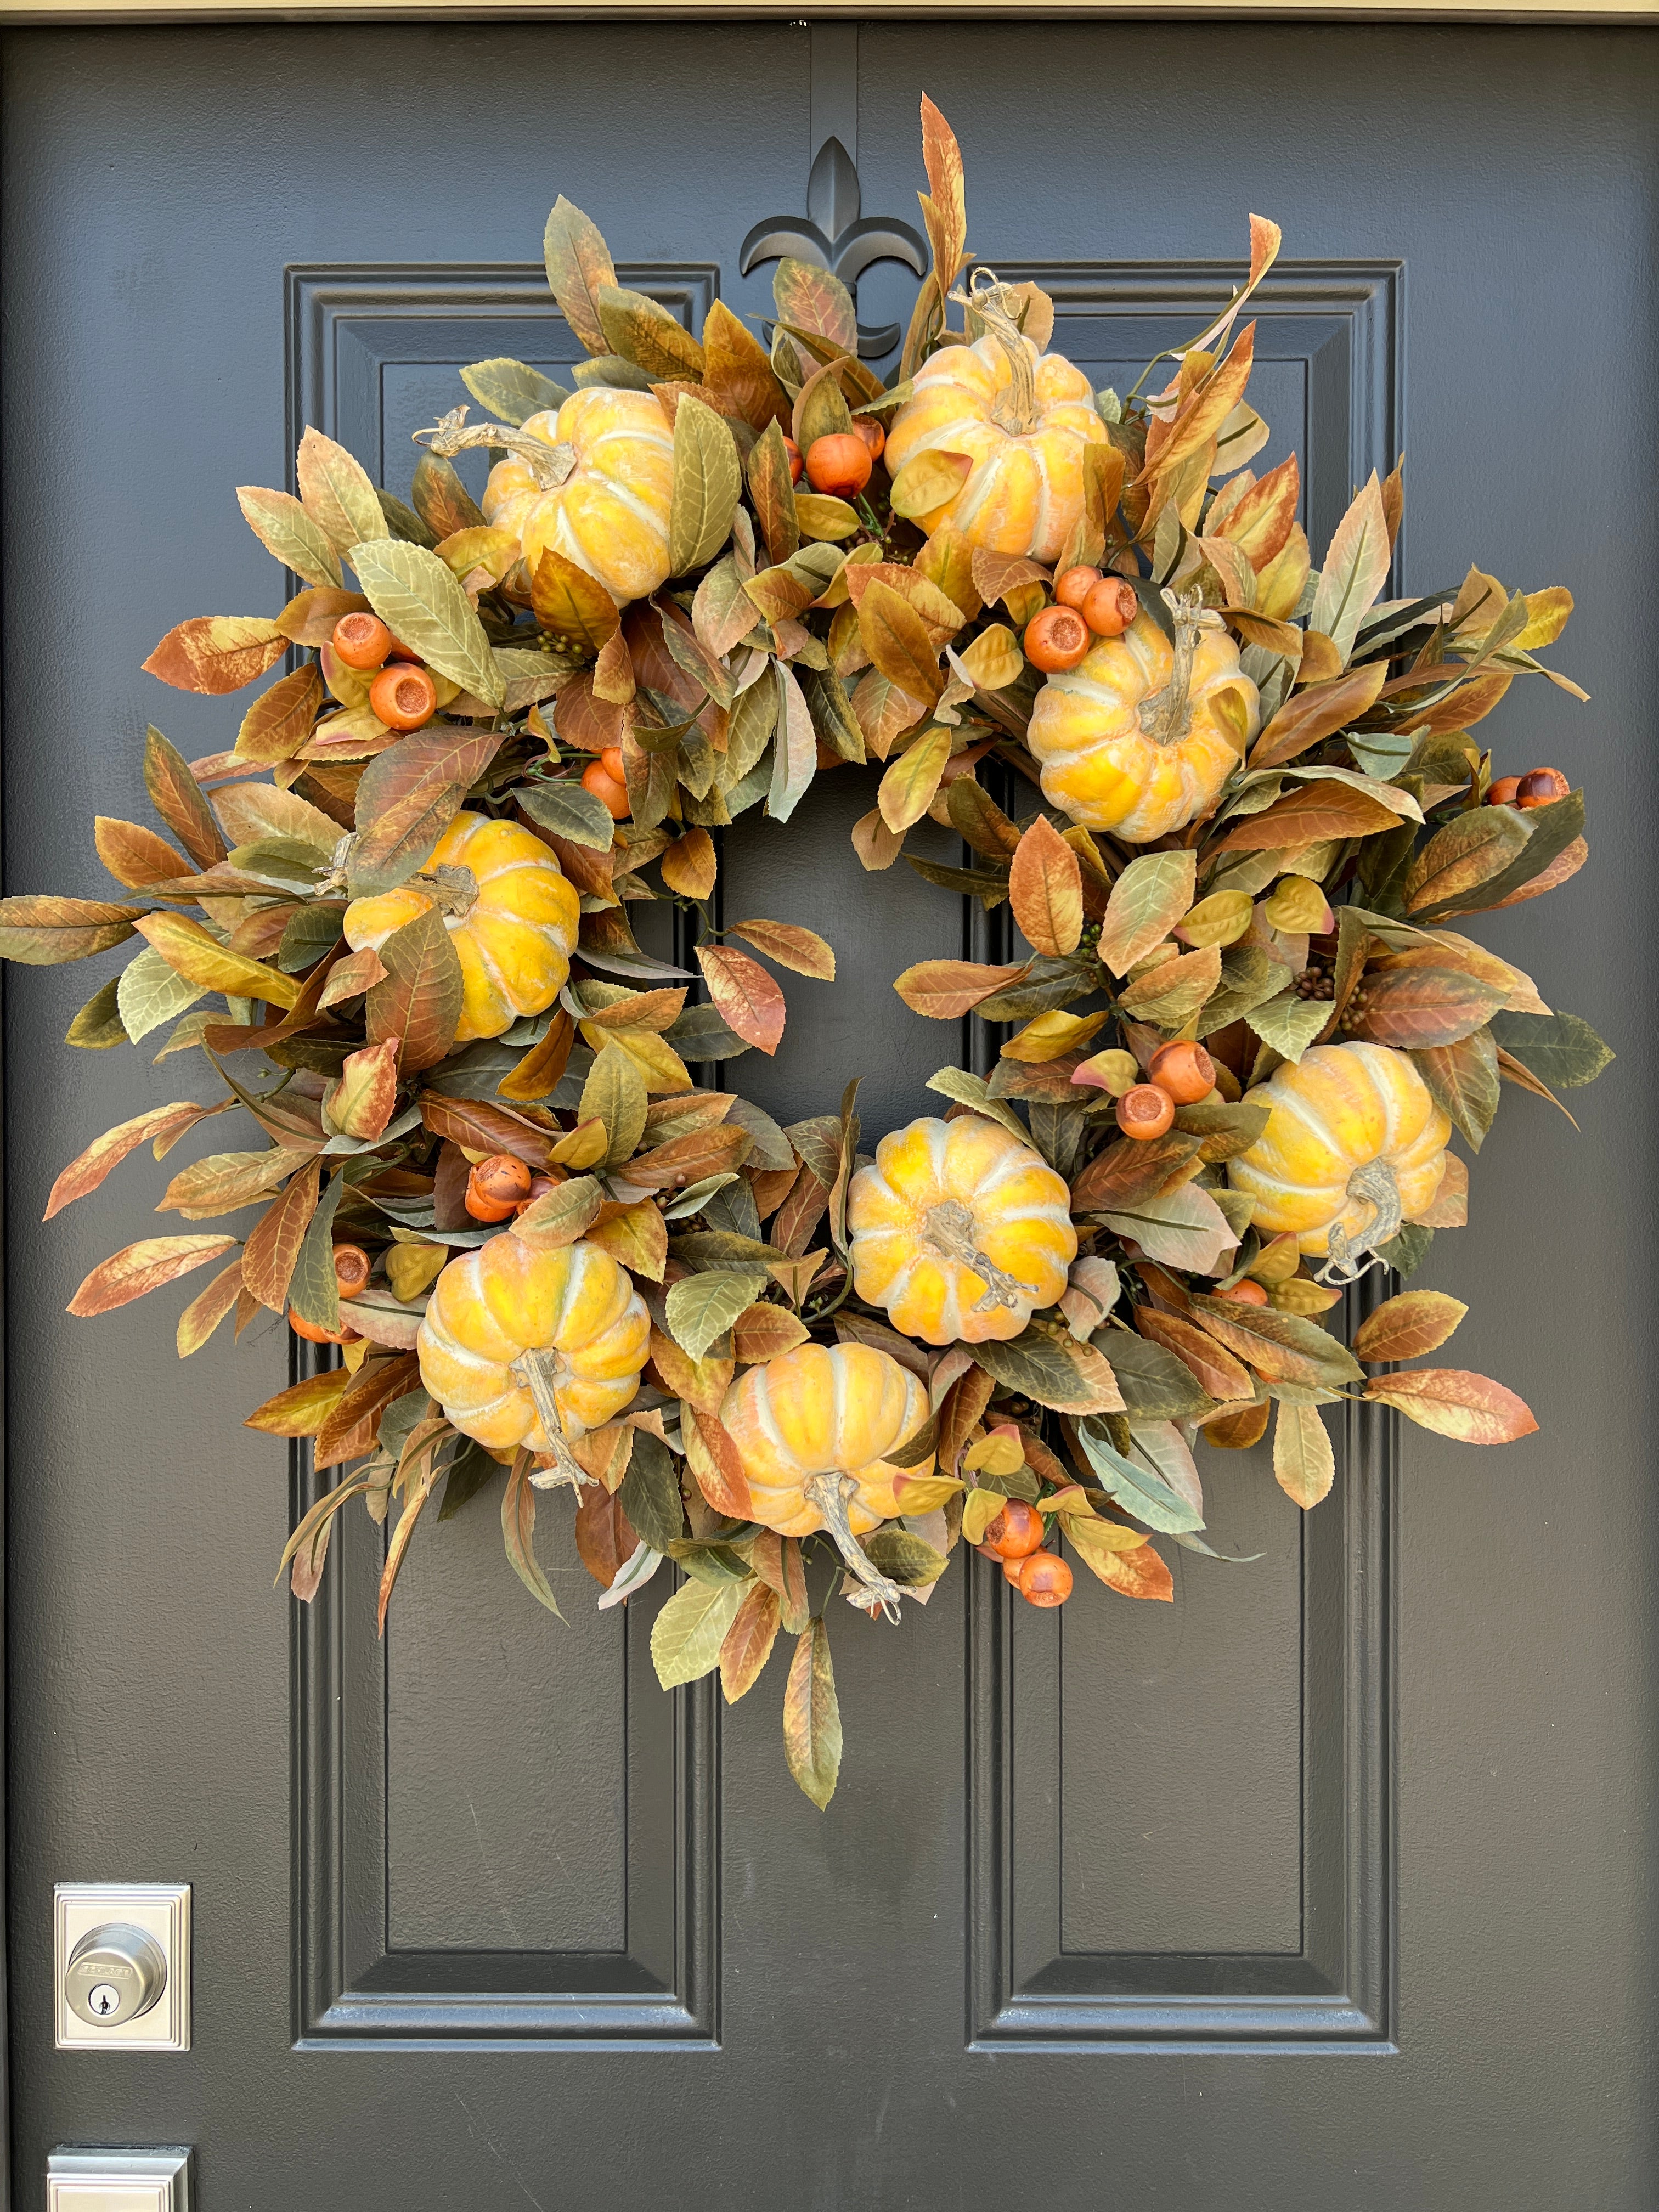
[{"x": 1230, "y": 801}]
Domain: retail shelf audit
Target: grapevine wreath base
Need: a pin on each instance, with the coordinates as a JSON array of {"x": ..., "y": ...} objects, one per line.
[{"x": 1231, "y": 801}]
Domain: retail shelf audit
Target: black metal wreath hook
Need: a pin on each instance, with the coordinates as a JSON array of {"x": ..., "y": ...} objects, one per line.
[{"x": 836, "y": 237}]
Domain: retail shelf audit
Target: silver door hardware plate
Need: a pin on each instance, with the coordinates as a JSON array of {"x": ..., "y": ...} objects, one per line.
[
  {"x": 118, "y": 2181},
  {"x": 121, "y": 1969}
]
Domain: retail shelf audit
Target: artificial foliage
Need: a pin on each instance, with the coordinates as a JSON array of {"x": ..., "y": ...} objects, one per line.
[{"x": 1232, "y": 803}]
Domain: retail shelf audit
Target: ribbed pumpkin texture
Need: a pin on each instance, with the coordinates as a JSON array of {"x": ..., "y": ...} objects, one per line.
[
  {"x": 610, "y": 515},
  {"x": 509, "y": 1323},
  {"x": 1340, "y": 1108},
  {"x": 959, "y": 1230},
  {"x": 1025, "y": 492},
  {"x": 514, "y": 940},
  {"x": 823, "y": 1410},
  {"x": 1138, "y": 739}
]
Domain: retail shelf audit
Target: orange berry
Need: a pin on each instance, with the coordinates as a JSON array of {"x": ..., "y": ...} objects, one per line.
[
  {"x": 1016, "y": 1530},
  {"x": 610, "y": 760},
  {"x": 550, "y": 1179},
  {"x": 1501, "y": 793},
  {"x": 839, "y": 464},
  {"x": 1010, "y": 1568},
  {"x": 1185, "y": 1070},
  {"x": 793, "y": 451},
  {"x": 1146, "y": 1111},
  {"x": 362, "y": 640},
  {"x": 867, "y": 428},
  {"x": 351, "y": 1266},
  {"x": 1541, "y": 787},
  {"x": 1057, "y": 638},
  {"x": 608, "y": 789},
  {"x": 1073, "y": 585},
  {"x": 403, "y": 696},
  {"x": 1045, "y": 1579},
  {"x": 312, "y": 1334},
  {"x": 1110, "y": 607},
  {"x": 496, "y": 1186},
  {"x": 1245, "y": 1293}
]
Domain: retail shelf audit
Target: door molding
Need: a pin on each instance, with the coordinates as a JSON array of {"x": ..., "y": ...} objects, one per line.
[{"x": 1574, "y": 12}]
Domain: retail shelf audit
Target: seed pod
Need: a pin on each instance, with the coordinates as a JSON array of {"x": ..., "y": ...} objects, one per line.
[
  {"x": 1056, "y": 639},
  {"x": 403, "y": 696},
  {"x": 351, "y": 1266},
  {"x": 362, "y": 640},
  {"x": 1146, "y": 1111}
]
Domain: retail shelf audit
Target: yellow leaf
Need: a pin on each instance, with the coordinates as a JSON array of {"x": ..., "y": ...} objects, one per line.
[
  {"x": 1116, "y": 1072},
  {"x": 585, "y": 1147},
  {"x": 897, "y": 640},
  {"x": 190, "y": 952},
  {"x": 688, "y": 866},
  {"x": 658, "y": 1063},
  {"x": 1000, "y": 1453},
  {"x": 1546, "y": 617},
  {"x": 1050, "y": 1035},
  {"x": 979, "y": 1509},
  {"x": 908, "y": 788},
  {"x": 410, "y": 1268},
  {"x": 1221, "y": 919},
  {"x": 823, "y": 517},
  {"x": 929, "y": 483},
  {"x": 1297, "y": 906},
  {"x": 993, "y": 659}
]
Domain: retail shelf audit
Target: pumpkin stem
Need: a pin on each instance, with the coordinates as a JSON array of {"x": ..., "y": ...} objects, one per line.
[
  {"x": 549, "y": 464},
  {"x": 991, "y": 299},
  {"x": 539, "y": 1372},
  {"x": 830, "y": 1493},
  {"x": 949, "y": 1227},
  {"x": 1375, "y": 1183},
  {"x": 1166, "y": 716}
]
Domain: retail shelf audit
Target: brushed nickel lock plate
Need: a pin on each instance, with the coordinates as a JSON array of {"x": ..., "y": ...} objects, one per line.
[
  {"x": 121, "y": 1965},
  {"x": 118, "y": 2181}
]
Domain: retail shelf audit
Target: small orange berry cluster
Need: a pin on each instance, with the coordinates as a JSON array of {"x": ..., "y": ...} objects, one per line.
[
  {"x": 1540, "y": 787},
  {"x": 1015, "y": 1540},
  {"x": 839, "y": 464},
  {"x": 1087, "y": 605},
  {"x": 402, "y": 695},
  {"x": 499, "y": 1187},
  {"x": 1180, "y": 1074}
]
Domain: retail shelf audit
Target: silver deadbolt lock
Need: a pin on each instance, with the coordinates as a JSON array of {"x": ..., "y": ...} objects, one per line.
[{"x": 115, "y": 1972}]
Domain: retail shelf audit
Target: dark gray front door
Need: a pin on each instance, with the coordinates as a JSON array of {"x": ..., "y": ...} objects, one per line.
[{"x": 1325, "y": 1890}]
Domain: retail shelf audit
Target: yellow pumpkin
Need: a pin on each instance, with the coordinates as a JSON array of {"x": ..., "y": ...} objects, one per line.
[
  {"x": 810, "y": 1429},
  {"x": 511, "y": 914},
  {"x": 1354, "y": 1142},
  {"x": 959, "y": 1230},
  {"x": 1022, "y": 419},
  {"x": 1140, "y": 736},
  {"x": 610, "y": 515},
  {"x": 520, "y": 1344}
]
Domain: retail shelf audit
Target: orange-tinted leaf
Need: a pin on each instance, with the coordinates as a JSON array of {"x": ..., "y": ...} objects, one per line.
[
  {"x": 737, "y": 374},
  {"x": 218, "y": 652},
  {"x": 85, "y": 1172},
  {"x": 349, "y": 1432},
  {"x": 537, "y": 1073},
  {"x": 907, "y": 789},
  {"x": 812, "y": 1715},
  {"x": 409, "y": 796},
  {"x": 207, "y": 1308},
  {"x": 1425, "y": 1006},
  {"x": 1409, "y": 1325},
  {"x": 1454, "y": 1403},
  {"x": 482, "y": 1127},
  {"x": 1139, "y": 1572},
  {"x": 579, "y": 265},
  {"x": 717, "y": 1465},
  {"x": 790, "y": 945},
  {"x": 1045, "y": 890},
  {"x": 944, "y": 989},
  {"x": 636, "y": 1237},
  {"x": 689, "y": 1159},
  {"x": 141, "y": 1267},
  {"x": 1304, "y": 1465},
  {"x": 571, "y": 603},
  {"x": 360, "y": 1101},
  {"x": 749, "y": 1642},
  {"x": 350, "y": 977},
  {"x": 301, "y": 1410},
  {"x": 764, "y": 1332},
  {"x": 44, "y": 931},
  {"x": 280, "y": 721},
  {"x": 814, "y": 300},
  {"x": 604, "y": 1536},
  {"x": 273, "y": 1245},
  {"x": 1311, "y": 813},
  {"x": 1258, "y": 523},
  {"x": 180, "y": 801},
  {"x": 134, "y": 856},
  {"x": 749, "y": 1002},
  {"x": 688, "y": 866},
  {"x": 419, "y": 1003},
  {"x": 877, "y": 846},
  {"x": 1307, "y": 716},
  {"x": 1221, "y": 1375},
  {"x": 192, "y": 952},
  {"x": 897, "y": 639},
  {"x": 310, "y": 616}
]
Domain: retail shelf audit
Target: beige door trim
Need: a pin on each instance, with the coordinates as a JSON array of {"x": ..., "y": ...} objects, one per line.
[{"x": 1373, "y": 11}]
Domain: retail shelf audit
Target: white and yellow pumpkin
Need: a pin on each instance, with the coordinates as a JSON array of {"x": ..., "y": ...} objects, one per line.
[{"x": 610, "y": 515}]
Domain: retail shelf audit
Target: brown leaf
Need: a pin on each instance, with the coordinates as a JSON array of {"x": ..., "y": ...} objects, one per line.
[
  {"x": 1130, "y": 1169},
  {"x": 408, "y": 797},
  {"x": 481, "y": 1127},
  {"x": 1409, "y": 1325},
  {"x": 790, "y": 945},
  {"x": 1423, "y": 1006},
  {"x": 419, "y": 1003},
  {"x": 586, "y": 721},
  {"x": 897, "y": 640},
  {"x": 273, "y": 1244},
  {"x": 749, "y": 1642},
  {"x": 360, "y": 1101},
  {"x": 1258, "y": 522},
  {"x": 218, "y": 652},
  {"x": 537, "y": 1073},
  {"x": 136, "y": 856},
  {"x": 88, "y": 1169},
  {"x": 690, "y": 865},
  {"x": 636, "y": 1236},
  {"x": 749, "y": 1002},
  {"x": 280, "y": 720},
  {"x": 687, "y": 1159},
  {"x": 1567, "y": 862},
  {"x": 737, "y": 374},
  {"x": 772, "y": 492},
  {"x": 812, "y": 1715},
  {"x": 944, "y": 989},
  {"x": 44, "y": 931},
  {"x": 207, "y": 1308},
  {"x": 1221, "y": 1375},
  {"x": 141, "y": 1267},
  {"x": 349, "y": 1432},
  {"x": 762, "y": 1331},
  {"x": 604, "y": 1536},
  {"x": 1321, "y": 710},
  {"x": 946, "y": 210},
  {"x": 1141, "y": 1572},
  {"x": 572, "y": 603},
  {"x": 310, "y": 616},
  {"x": 1309, "y": 814},
  {"x": 1454, "y": 1403},
  {"x": 718, "y": 1466},
  {"x": 1045, "y": 890},
  {"x": 579, "y": 266},
  {"x": 180, "y": 801}
]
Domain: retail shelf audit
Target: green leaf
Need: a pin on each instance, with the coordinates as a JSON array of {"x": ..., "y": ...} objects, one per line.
[
  {"x": 965, "y": 1089},
  {"x": 568, "y": 811},
  {"x": 424, "y": 606},
  {"x": 615, "y": 1094},
  {"x": 707, "y": 479},
  {"x": 512, "y": 391},
  {"x": 1056, "y": 1370},
  {"x": 1289, "y": 1023},
  {"x": 904, "y": 1558},
  {"x": 312, "y": 932},
  {"x": 812, "y": 1715},
  {"x": 1407, "y": 1252},
  {"x": 1355, "y": 569},
  {"x": 1155, "y": 1384},
  {"x": 1136, "y": 1488},
  {"x": 337, "y": 492},
  {"x": 579, "y": 265},
  {"x": 313, "y": 1290},
  {"x": 1559, "y": 1049},
  {"x": 408, "y": 797},
  {"x": 1462, "y": 1080},
  {"x": 1247, "y": 977},
  {"x": 149, "y": 993},
  {"x": 282, "y": 527},
  {"x": 701, "y": 1309},
  {"x": 708, "y": 1560},
  {"x": 1147, "y": 900},
  {"x": 687, "y": 1634},
  {"x": 99, "y": 1024},
  {"x": 651, "y": 1494},
  {"x": 518, "y": 1528}
]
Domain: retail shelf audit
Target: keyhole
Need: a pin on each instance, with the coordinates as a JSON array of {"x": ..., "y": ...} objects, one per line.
[{"x": 104, "y": 2000}]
